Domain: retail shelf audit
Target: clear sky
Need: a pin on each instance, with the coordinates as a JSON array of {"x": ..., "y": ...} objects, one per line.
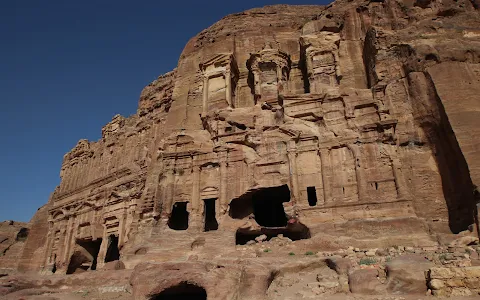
[{"x": 67, "y": 67}]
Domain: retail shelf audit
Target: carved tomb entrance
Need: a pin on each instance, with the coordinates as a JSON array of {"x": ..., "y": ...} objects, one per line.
[
  {"x": 85, "y": 256},
  {"x": 210, "y": 219},
  {"x": 182, "y": 291},
  {"x": 266, "y": 206},
  {"x": 179, "y": 217},
  {"x": 113, "y": 253}
]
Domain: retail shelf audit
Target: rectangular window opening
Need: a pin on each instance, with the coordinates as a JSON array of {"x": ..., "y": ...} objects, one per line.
[{"x": 312, "y": 195}]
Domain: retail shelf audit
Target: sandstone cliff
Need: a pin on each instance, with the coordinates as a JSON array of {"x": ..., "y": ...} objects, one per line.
[{"x": 354, "y": 124}]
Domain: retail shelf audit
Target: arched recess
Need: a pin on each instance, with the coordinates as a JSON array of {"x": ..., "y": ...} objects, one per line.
[{"x": 183, "y": 290}]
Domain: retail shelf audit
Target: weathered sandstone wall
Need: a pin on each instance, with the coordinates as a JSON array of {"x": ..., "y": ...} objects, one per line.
[{"x": 350, "y": 124}]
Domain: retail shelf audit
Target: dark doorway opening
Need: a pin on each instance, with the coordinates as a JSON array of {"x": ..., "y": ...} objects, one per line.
[
  {"x": 179, "y": 216},
  {"x": 113, "y": 253},
  {"x": 22, "y": 234},
  {"x": 54, "y": 268},
  {"x": 268, "y": 206},
  {"x": 85, "y": 256},
  {"x": 183, "y": 290},
  {"x": 265, "y": 204},
  {"x": 295, "y": 232},
  {"x": 312, "y": 195},
  {"x": 210, "y": 219}
]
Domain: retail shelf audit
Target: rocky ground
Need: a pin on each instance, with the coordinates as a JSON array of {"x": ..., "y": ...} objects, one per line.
[{"x": 394, "y": 273}]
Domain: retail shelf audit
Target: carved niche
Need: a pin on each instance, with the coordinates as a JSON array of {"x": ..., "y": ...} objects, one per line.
[
  {"x": 220, "y": 77},
  {"x": 269, "y": 69},
  {"x": 321, "y": 60}
]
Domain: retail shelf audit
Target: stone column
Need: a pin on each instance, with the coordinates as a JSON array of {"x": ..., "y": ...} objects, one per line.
[
  {"x": 292, "y": 161},
  {"x": 48, "y": 253},
  {"x": 103, "y": 248},
  {"x": 205, "y": 95},
  {"x": 223, "y": 201},
  {"x": 195, "y": 187},
  {"x": 326, "y": 175},
  {"x": 69, "y": 240},
  {"x": 121, "y": 227},
  {"x": 399, "y": 180},
  {"x": 359, "y": 173},
  {"x": 228, "y": 82},
  {"x": 169, "y": 189}
]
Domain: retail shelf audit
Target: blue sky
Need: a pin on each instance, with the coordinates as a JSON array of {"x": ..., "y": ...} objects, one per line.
[{"x": 67, "y": 67}]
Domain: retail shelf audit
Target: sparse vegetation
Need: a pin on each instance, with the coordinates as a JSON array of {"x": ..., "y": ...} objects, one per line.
[
  {"x": 367, "y": 261},
  {"x": 267, "y": 250},
  {"x": 291, "y": 253},
  {"x": 309, "y": 253}
]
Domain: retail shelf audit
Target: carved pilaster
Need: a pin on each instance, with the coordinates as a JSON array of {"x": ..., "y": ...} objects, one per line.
[
  {"x": 205, "y": 95},
  {"x": 122, "y": 227},
  {"x": 69, "y": 239},
  {"x": 223, "y": 201},
  {"x": 48, "y": 252},
  {"x": 292, "y": 161},
  {"x": 103, "y": 249},
  {"x": 399, "y": 179},
  {"x": 359, "y": 173},
  {"x": 326, "y": 175},
  {"x": 228, "y": 83},
  {"x": 195, "y": 186},
  {"x": 169, "y": 189}
]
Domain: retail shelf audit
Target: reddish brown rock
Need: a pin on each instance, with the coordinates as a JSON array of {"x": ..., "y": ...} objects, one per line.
[
  {"x": 407, "y": 275},
  {"x": 353, "y": 124},
  {"x": 365, "y": 281}
]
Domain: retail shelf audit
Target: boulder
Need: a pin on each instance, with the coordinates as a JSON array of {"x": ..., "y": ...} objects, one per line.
[
  {"x": 340, "y": 265},
  {"x": 464, "y": 241},
  {"x": 406, "y": 274},
  {"x": 114, "y": 265},
  {"x": 365, "y": 281}
]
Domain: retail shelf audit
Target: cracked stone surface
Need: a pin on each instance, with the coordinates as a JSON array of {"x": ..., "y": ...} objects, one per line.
[{"x": 284, "y": 132}]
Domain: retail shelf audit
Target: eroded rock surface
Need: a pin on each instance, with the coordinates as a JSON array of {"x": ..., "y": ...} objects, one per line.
[{"x": 286, "y": 129}]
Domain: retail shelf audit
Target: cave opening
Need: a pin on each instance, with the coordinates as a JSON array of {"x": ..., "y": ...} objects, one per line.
[
  {"x": 113, "y": 253},
  {"x": 179, "y": 217},
  {"x": 295, "y": 231},
  {"x": 85, "y": 256},
  {"x": 182, "y": 291},
  {"x": 266, "y": 206},
  {"x": 210, "y": 219},
  {"x": 22, "y": 234}
]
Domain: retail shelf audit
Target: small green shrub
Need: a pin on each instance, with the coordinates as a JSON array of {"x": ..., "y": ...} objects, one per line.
[
  {"x": 309, "y": 253},
  {"x": 267, "y": 250},
  {"x": 291, "y": 253},
  {"x": 367, "y": 261}
]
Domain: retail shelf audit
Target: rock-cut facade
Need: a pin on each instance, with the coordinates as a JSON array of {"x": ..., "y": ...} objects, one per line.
[{"x": 352, "y": 124}]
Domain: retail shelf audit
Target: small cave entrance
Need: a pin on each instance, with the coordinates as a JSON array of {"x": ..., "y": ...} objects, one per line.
[
  {"x": 181, "y": 291},
  {"x": 296, "y": 231},
  {"x": 266, "y": 204},
  {"x": 22, "y": 235},
  {"x": 210, "y": 219},
  {"x": 179, "y": 217},
  {"x": 85, "y": 256},
  {"x": 113, "y": 253}
]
